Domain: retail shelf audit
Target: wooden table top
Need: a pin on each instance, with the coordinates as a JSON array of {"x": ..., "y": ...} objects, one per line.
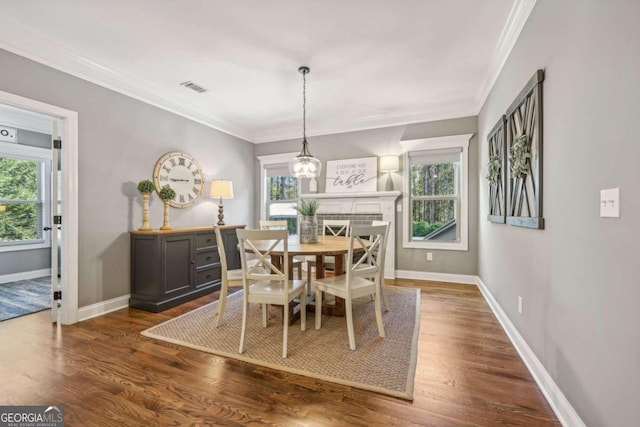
[{"x": 327, "y": 245}]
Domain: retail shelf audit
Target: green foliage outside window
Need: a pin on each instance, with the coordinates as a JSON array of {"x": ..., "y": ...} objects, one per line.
[
  {"x": 283, "y": 188},
  {"x": 433, "y": 191},
  {"x": 20, "y": 207}
]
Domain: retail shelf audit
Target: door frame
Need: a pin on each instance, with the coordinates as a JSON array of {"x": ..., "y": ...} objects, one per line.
[{"x": 69, "y": 167}]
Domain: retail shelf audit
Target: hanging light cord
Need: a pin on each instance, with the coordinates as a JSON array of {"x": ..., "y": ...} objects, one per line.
[{"x": 304, "y": 106}]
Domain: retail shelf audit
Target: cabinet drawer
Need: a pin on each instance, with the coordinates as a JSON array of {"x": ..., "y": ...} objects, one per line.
[
  {"x": 207, "y": 258},
  {"x": 205, "y": 277},
  {"x": 205, "y": 240}
]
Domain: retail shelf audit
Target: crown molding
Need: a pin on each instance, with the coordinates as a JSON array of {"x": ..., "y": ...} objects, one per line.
[
  {"x": 30, "y": 44},
  {"x": 518, "y": 17},
  {"x": 291, "y": 130}
]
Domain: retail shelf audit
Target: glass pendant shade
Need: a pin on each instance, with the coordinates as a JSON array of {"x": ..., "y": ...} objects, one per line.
[{"x": 304, "y": 165}]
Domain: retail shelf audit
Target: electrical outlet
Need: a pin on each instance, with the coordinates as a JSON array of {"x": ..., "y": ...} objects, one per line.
[
  {"x": 520, "y": 305},
  {"x": 429, "y": 256},
  {"x": 610, "y": 203}
]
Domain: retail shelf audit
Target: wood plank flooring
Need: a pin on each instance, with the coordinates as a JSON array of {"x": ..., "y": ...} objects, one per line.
[{"x": 106, "y": 374}]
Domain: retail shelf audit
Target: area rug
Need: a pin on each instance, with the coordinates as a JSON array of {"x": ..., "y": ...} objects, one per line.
[
  {"x": 384, "y": 365},
  {"x": 24, "y": 297}
]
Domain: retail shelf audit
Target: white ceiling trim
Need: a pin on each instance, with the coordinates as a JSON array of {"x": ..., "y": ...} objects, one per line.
[
  {"x": 515, "y": 23},
  {"x": 39, "y": 48},
  {"x": 55, "y": 55},
  {"x": 358, "y": 123}
]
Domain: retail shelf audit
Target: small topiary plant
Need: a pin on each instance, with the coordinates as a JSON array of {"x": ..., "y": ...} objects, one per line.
[
  {"x": 167, "y": 193},
  {"x": 146, "y": 186}
]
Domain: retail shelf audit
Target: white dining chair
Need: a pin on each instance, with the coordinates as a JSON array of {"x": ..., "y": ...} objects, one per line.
[
  {"x": 361, "y": 278},
  {"x": 229, "y": 278},
  {"x": 283, "y": 225},
  {"x": 271, "y": 286},
  {"x": 330, "y": 227}
]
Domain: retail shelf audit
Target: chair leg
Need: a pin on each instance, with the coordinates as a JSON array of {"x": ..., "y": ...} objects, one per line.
[
  {"x": 383, "y": 291},
  {"x": 285, "y": 332},
  {"x": 245, "y": 310},
  {"x": 379, "y": 315},
  {"x": 222, "y": 302},
  {"x": 352, "y": 339},
  {"x": 318, "y": 308},
  {"x": 303, "y": 311},
  {"x": 265, "y": 315}
]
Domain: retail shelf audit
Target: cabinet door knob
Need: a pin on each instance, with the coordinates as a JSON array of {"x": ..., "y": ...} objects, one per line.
[{"x": 193, "y": 262}]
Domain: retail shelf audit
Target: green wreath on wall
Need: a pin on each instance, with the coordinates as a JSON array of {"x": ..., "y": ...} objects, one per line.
[{"x": 519, "y": 156}]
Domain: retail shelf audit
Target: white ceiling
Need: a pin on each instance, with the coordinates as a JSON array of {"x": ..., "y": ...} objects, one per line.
[{"x": 373, "y": 63}]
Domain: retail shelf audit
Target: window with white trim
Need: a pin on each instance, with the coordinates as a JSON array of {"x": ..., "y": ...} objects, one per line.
[
  {"x": 436, "y": 193},
  {"x": 24, "y": 189},
  {"x": 279, "y": 190}
]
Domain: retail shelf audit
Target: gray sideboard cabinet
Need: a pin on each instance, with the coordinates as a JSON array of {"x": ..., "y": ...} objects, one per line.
[{"x": 170, "y": 267}]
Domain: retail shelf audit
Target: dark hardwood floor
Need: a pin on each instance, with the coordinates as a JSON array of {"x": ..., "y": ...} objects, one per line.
[{"x": 105, "y": 373}]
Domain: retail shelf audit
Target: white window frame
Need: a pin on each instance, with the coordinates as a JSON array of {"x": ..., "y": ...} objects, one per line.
[
  {"x": 271, "y": 159},
  {"x": 439, "y": 143},
  {"x": 27, "y": 152}
]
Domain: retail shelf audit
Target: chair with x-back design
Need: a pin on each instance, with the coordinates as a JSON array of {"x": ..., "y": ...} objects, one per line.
[
  {"x": 362, "y": 277},
  {"x": 283, "y": 225},
  {"x": 266, "y": 284},
  {"x": 330, "y": 227}
]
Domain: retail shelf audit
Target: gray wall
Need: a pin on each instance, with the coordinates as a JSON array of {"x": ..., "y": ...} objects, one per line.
[
  {"x": 579, "y": 276},
  {"x": 383, "y": 141},
  {"x": 34, "y": 259},
  {"x": 120, "y": 140}
]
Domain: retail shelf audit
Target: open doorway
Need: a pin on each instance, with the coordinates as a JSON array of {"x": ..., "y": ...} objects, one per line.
[{"x": 35, "y": 218}]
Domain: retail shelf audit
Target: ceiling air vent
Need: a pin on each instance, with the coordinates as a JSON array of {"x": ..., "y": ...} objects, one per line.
[{"x": 193, "y": 86}]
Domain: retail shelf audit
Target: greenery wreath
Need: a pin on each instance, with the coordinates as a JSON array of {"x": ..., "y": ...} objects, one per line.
[{"x": 518, "y": 157}]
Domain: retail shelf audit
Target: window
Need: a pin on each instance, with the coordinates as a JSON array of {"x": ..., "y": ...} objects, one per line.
[
  {"x": 280, "y": 190},
  {"x": 24, "y": 181},
  {"x": 436, "y": 192}
]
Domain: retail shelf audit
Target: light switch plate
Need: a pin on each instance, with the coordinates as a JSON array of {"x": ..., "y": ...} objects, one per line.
[{"x": 610, "y": 203}]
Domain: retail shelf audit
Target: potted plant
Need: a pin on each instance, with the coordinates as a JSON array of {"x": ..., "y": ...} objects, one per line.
[
  {"x": 145, "y": 187},
  {"x": 166, "y": 194},
  {"x": 308, "y": 220}
]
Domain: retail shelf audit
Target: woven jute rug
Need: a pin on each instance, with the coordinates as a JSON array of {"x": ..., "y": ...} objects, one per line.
[{"x": 384, "y": 365}]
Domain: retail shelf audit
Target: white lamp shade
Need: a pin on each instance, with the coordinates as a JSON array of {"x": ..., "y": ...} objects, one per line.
[
  {"x": 221, "y": 188},
  {"x": 389, "y": 164}
]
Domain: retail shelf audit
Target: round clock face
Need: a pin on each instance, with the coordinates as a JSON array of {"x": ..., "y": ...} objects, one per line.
[{"x": 183, "y": 174}]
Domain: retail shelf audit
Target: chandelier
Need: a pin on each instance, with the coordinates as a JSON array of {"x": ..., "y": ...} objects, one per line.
[{"x": 304, "y": 165}]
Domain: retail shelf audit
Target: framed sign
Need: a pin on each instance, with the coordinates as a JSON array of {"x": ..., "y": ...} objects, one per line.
[{"x": 352, "y": 175}]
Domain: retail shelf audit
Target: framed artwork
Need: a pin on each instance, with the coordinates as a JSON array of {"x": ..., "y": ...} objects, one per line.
[
  {"x": 524, "y": 156},
  {"x": 496, "y": 176},
  {"x": 352, "y": 175}
]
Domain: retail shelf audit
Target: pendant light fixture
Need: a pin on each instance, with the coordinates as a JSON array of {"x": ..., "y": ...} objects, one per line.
[{"x": 304, "y": 165}]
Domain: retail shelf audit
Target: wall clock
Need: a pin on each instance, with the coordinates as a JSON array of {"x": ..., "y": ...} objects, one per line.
[{"x": 183, "y": 174}]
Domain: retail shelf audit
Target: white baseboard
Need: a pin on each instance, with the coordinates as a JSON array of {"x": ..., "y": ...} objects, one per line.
[
  {"x": 437, "y": 277},
  {"x": 559, "y": 403},
  {"x": 103, "y": 307},
  {"x": 6, "y": 278}
]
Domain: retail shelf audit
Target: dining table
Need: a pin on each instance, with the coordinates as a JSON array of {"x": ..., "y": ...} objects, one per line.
[{"x": 337, "y": 246}]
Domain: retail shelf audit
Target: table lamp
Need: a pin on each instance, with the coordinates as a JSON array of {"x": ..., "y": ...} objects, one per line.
[{"x": 222, "y": 189}]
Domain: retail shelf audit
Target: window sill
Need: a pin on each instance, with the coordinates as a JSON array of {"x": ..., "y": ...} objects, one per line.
[
  {"x": 24, "y": 247},
  {"x": 454, "y": 246}
]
